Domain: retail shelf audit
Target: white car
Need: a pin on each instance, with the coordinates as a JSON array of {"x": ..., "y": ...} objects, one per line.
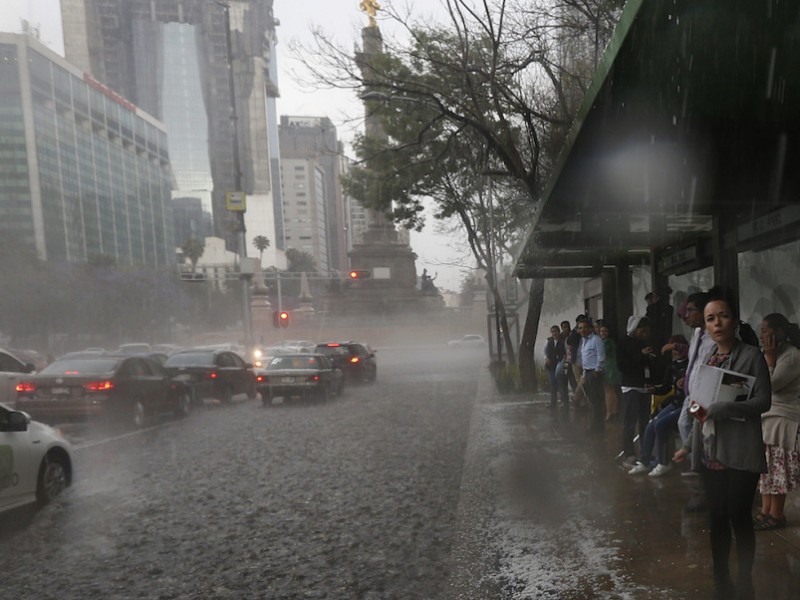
[
  {"x": 468, "y": 341},
  {"x": 35, "y": 461}
]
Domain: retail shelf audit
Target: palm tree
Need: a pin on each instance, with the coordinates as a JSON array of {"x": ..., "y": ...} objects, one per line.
[
  {"x": 261, "y": 242},
  {"x": 193, "y": 249}
]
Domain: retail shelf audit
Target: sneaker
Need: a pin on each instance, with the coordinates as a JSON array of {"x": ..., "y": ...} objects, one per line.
[
  {"x": 639, "y": 468},
  {"x": 660, "y": 470}
]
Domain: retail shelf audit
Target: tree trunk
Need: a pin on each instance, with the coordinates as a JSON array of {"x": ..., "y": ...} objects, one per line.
[{"x": 527, "y": 366}]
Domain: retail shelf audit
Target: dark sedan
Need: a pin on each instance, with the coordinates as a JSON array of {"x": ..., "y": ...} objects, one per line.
[
  {"x": 303, "y": 375},
  {"x": 356, "y": 360},
  {"x": 210, "y": 373},
  {"x": 116, "y": 389}
]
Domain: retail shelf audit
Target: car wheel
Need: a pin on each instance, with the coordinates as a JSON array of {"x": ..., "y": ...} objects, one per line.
[
  {"x": 252, "y": 392},
  {"x": 139, "y": 414},
  {"x": 184, "y": 405},
  {"x": 53, "y": 478}
]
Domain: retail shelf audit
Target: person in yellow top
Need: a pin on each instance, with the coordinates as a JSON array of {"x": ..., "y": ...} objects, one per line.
[{"x": 781, "y": 423}]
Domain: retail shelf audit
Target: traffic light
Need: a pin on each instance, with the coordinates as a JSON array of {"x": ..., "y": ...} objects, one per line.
[
  {"x": 280, "y": 318},
  {"x": 360, "y": 274}
]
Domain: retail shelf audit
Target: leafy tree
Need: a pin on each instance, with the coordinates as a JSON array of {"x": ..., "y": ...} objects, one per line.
[
  {"x": 489, "y": 94},
  {"x": 193, "y": 249},
  {"x": 300, "y": 261},
  {"x": 261, "y": 242}
]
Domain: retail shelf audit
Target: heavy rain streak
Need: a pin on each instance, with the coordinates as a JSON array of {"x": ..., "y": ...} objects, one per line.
[{"x": 361, "y": 300}]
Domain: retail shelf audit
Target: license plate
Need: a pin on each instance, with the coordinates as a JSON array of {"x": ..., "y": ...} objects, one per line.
[
  {"x": 287, "y": 379},
  {"x": 59, "y": 391}
]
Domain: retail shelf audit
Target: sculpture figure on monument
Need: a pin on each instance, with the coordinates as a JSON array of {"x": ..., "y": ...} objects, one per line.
[
  {"x": 426, "y": 283},
  {"x": 371, "y": 7}
]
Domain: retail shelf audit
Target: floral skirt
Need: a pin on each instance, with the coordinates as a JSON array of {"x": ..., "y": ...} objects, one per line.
[{"x": 783, "y": 471}]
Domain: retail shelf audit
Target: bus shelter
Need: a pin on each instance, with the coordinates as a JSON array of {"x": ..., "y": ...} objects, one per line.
[{"x": 684, "y": 159}]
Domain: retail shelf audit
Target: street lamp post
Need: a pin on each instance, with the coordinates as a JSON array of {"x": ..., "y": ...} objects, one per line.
[{"x": 247, "y": 320}]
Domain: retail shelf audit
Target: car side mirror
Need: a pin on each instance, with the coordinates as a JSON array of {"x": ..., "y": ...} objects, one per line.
[
  {"x": 18, "y": 421},
  {"x": 248, "y": 365},
  {"x": 30, "y": 367}
]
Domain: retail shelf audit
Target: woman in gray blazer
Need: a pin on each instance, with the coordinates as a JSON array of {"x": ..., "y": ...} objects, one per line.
[{"x": 728, "y": 449}]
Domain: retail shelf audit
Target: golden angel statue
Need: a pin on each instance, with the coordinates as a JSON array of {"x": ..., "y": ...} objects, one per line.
[{"x": 371, "y": 7}]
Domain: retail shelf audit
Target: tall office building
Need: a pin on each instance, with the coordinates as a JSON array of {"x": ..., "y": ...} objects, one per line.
[
  {"x": 314, "y": 140},
  {"x": 192, "y": 221},
  {"x": 84, "y": 173},
  {"x": 170, "y": 57},
  {"x": 305, "y": 223}
]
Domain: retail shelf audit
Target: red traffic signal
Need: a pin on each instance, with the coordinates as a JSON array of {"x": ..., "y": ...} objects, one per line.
[
  {"x": 360, "y": 274},
  {"x": 280, "y": 318}
]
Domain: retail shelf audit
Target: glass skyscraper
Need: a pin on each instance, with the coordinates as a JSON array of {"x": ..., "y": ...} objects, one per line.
[{"x": 84, "y": 173}]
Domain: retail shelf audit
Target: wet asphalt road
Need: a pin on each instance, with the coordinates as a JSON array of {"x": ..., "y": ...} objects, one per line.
[{"x": 351, "y": 499}]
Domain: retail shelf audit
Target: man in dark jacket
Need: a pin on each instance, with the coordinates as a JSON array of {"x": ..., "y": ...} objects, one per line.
[
  {"x": 554, "y": 353},
  {"x": 635, "y": 358}
]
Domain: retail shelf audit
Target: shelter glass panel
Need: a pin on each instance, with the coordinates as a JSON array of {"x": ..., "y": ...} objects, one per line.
[{"x": 768, "y": 283}]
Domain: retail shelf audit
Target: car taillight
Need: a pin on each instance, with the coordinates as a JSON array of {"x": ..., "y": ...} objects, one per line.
[
  {"x": 99, "y": 386},
  {"x": 354, "y": 359},
  {"x": 26, "y": 386},
  {"x": 261, "y": 379},
  {"x": 314, "y": 378},
  {"x": 211, "y": 375}
]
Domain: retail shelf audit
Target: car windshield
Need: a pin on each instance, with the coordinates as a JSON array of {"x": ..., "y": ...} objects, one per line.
[
  {"x": 332, "y": 350},
  {"x": 82, "y": 366},
  {"x": 293, "y": 362},
  {"x": 191, "y": 359}
]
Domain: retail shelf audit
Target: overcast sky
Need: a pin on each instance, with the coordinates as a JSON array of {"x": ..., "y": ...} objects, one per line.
[{"x": 341, "y": 20}]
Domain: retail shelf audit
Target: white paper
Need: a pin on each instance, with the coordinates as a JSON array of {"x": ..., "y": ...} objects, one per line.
[{"x": 712, "y": 384}]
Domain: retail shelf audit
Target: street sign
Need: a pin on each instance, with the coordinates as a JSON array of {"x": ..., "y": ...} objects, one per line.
[
  {"x": 235, "y": 201},
  {"x": 511, "y": 290}
]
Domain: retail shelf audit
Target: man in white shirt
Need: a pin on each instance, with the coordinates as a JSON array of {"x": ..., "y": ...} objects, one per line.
[{"x": 593, "y": 358}]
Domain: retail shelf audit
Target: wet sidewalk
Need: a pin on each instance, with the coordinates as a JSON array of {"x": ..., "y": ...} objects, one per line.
[{"x": 546, "y": 512}]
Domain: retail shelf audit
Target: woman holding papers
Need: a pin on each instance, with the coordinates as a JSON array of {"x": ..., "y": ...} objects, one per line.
[
  {"x": 780, "y": 340},
  {"x": 728, "y": 450}
]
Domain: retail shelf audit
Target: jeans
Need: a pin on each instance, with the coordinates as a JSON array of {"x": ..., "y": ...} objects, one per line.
[
  {"x": 552, "y": 377},
  {"x": 561, "y": 380},
  {"x": 656, "y": 434},
  {"x": 637, "y": 413},
  {"x": 685, "y": 422}
]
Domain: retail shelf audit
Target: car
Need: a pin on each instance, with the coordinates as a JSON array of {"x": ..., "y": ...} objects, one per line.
[
  {"x": 470, "y": 340},
  {"x": 166, "y": 348},
  {"x": 303, "y": 375},
  {"x": 213, "y": 373},
  {"x": 35, "y": 460},
  {"x": 37, "y": 359},
  {"x": 12, "y": 368},
  {"x": 111, "y": 389},
  {"x": 299, "y": 345},
  {"x": 356, "y": 360},
  {"x": 135, "y": 348}
]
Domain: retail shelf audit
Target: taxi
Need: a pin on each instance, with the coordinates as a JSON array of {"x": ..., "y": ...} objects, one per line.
[{"x": 35, "y": 461}]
